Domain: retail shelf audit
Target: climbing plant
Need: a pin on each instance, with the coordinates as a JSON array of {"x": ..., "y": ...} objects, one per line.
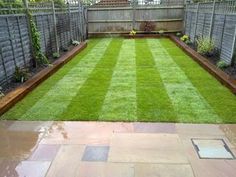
[{"x": 39, "y": 57}]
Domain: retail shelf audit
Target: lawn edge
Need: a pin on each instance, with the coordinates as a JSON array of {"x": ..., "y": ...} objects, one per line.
[
  {"x": 20, "y": 92},
  {"x": 221, "y": 76}
]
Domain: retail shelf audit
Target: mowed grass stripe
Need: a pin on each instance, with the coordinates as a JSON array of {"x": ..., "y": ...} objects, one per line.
[
  {"x": 153, "y": 103},
  {"x": 120, "y": 102},
  {"x": 189, "y": 105},
  {"x": 218, "y": 96},
  {"x": 59, "y": 97},
  {"x": 88, "y": 102},
  {"x": 24, "y": 105}
]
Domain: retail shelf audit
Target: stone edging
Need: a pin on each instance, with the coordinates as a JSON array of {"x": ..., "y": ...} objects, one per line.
[{"x": 20, "y": 92}]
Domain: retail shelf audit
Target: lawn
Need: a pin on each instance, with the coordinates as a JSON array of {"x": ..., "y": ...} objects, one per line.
[{"x": 116, "y": 79}]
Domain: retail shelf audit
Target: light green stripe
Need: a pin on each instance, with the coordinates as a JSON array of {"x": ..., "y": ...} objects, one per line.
[
  {"x": 59, "y": 97},
  {"x": 120, "y": 102},
  {"x": 187, "y": 101}
]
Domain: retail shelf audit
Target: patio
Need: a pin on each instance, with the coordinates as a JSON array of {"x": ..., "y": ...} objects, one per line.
[{"x": 91, "y": 149}]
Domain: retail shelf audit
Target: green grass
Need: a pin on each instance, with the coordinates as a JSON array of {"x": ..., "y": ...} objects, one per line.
[{"x": 129, "y": 80}]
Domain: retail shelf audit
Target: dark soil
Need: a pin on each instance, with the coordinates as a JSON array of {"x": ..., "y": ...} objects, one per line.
[
  {"x": 31, "y": 72},
  {"x": 13, "y": 84},
  {"x": 230, "y": 70}
]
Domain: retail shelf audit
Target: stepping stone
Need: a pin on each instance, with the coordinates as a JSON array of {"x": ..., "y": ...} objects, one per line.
[
  {"x": 212, "y": 149},
  {"x": 96, "y": 153}
]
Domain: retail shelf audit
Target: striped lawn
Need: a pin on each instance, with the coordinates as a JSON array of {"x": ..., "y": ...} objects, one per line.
[{"x": 117, "y": 79}]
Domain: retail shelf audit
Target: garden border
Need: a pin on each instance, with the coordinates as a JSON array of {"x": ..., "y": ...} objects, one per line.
[
  {"x": 221, "y": 76},
  {"x": 20, "y": 92}
]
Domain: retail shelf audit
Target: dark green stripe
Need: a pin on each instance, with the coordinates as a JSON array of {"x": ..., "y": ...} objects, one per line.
[
  {"x": 153, "y": 103},
  {"x": 89, "y": 100}
]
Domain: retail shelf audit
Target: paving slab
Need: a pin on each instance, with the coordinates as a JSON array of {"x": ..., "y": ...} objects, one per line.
[
  {"x": 160, "y": 170},
  {"x": 4, "y": 124},
  {"x": 24, "y": 168},
  {"x": 84, "y": 132},
  {"x": 154, "y": 128},
  {"x": 230, "y": 132},
  {"x": 66, "y": 161},
  {"x": 45, "y": 152},
  {"x": 96, "y": 153},
  {"x": 37, "y": 126},
  {"x": 198, "y": 130},
  {"x": 17, "y": 145},
  {"x": 148, "y": 148},
  {"x": 89, "y": 169}
]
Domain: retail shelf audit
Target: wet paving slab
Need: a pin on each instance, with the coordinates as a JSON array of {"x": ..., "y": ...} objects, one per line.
[{"x": 105, "y": 149}]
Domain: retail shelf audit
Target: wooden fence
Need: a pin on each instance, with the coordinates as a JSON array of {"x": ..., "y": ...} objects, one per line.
[
  {"x": 164, "y": 15},
  {"x": 57, "y": 28},
  {"x": 216, "y": 20}
]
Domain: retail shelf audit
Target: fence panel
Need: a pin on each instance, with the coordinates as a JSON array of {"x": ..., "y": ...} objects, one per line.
[
  {"x": 124, "y": 19},
  {"x": 215, "y": 20},
  {"x": 15, "y": 46}
]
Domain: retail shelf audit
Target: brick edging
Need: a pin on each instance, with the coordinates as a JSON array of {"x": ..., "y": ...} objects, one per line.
[
  {"x": 221, "y": 76},
  {"x": 20, "y": 92}
]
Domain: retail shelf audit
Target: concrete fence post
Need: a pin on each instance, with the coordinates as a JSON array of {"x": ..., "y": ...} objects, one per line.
[
  {"x": 196, "y": 21},
  {"x": 212, "y": 19},
  {"x": 69, "y": 14},
  {"x": 185, "y": 17},
  {"x": 233, "y": 47},
  {"x": 3, "y": 65},
  {"x": 55, "y": 27},
  {"x": 80, "y": 21},
  {"x": 27, "y": 11}
]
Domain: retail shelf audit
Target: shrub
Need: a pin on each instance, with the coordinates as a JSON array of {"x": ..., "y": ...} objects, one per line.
[
  {"x": 75, "y": 43},
  {"x": 1, "y": 93},
  {"x": 205, "y": 46},
  {"x": 221, "y": 64},
  {"x": 185, "y": 38},
  {"x": 55, "y": 55},
  {"x": 132, "y": 33},
  {"x": 20, "y": 75}
]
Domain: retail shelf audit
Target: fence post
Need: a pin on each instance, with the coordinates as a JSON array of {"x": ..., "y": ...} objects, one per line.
[
  {"x": 86, "y": 22},
  {"x": 197, "y": 13},
  {"x": 11, "y": 38},
  {"x": 29, "y": 30},
  {"x": 212, "y": 19},
  {"x": 3, "y": 65},
  {"x": 185, "y": 17},
  {"x": 21, "y": 40},
  {"x": 233, "y": 47},
  {"x": 134, "y": 11},
  {"x": 83, "y": 18},
  {"x": 80, "y": 21},
  {"x": 222, "y": 35},
  {"x": 55, "y": 27},
  {"x": 69, "y": 13}
]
